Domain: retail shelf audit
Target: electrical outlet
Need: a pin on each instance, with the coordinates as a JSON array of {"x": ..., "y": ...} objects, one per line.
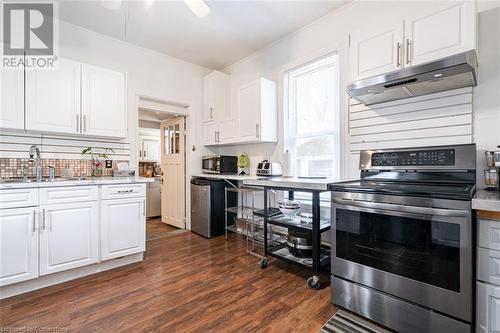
[{"x": 109, "y": 164}]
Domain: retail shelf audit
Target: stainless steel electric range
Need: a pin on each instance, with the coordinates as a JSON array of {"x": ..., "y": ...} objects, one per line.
[{"x": 402, "y": 236}]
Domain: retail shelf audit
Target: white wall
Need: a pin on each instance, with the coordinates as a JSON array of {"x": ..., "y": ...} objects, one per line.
[
  {"x": 149, "y": 74},
  {"x": 487, "y": 93},
  {"x": 330, "y": 33}
]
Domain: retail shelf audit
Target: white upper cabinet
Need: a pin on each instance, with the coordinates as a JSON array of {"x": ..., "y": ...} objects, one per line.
[
  {"x": 69, "y": 236},
  {"x": 19, "y": 245},
  {"x": 257, "y": 115},
  {"x": 377, "y": 50},
  {"x": 429, "y": 31},
  {"x": 53, "y": 98},
  {"x": 216, "y": 96},
  {"x": 439, "y": 31},
  {"x": 103, "y": 102},
  {"x": 210, "y": 132},
  {"x": 12, "y": 99}
]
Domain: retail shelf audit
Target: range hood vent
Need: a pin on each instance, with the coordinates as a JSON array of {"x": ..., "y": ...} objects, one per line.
[{"x": 457, "y": 71}]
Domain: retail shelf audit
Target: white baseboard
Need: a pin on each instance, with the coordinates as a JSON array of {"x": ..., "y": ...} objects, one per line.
[{"x": 60, "y": 277}]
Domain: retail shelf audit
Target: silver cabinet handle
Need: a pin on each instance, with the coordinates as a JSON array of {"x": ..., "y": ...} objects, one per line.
[
  {"x": 125, "y": 191},
  {"x": 408, "y": 55},
  {"x": 257, "y": 130},
  {"x": 43, "y": 219},
  {"x": 78, "y": 123},
  {"x": 84, "y": 123},
  {"x": 140, "y": 153},
  {"x": 218, "y": 137},
  {"x": 399, "y": 54},
  {"x": 34, "y": 221},
  {"x": 144, "y": 207},
  {"x": 211, "y": 113}
]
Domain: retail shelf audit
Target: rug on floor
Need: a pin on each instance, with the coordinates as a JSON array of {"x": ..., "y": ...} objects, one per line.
[{"x": 346, "y": 322}]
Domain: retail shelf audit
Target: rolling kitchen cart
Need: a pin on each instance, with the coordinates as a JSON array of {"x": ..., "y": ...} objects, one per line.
[
  {"x": 320, "y": 253},
  {"x": 246, "y": 221}
]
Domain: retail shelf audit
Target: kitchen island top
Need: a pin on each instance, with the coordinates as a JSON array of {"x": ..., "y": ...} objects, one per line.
[
  {"x": 487, "y": 200},
  {"x": 293, "y": 183}
]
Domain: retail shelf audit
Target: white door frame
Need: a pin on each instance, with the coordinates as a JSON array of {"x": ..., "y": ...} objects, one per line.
[{"x": 182, "y": 109}]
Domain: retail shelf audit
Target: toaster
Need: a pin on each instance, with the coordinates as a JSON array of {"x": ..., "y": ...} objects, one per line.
[{"x": 266, "y": 168}]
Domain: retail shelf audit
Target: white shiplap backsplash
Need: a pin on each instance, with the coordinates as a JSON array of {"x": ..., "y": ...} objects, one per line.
[
  {"x": 16, "y": 144},
  {"x": 431, "y": 120}
]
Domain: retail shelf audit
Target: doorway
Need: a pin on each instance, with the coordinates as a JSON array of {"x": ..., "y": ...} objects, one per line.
[{"x": 162, "y": 156}]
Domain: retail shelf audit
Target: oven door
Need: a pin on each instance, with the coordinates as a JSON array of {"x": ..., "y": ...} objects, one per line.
[{"x": 418, "y": 253}]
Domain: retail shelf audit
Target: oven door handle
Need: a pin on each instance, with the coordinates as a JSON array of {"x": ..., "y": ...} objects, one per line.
[{"x": 403, "y": 208}]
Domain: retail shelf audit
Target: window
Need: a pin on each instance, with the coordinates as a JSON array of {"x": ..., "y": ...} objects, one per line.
[{"x": 312, "y": 122}]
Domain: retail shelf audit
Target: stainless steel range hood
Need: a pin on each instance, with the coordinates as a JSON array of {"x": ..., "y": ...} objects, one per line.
[{"x": 453, "y": 72}]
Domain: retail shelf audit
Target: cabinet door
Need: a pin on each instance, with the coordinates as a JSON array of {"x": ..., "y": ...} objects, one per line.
[
  {"x": 53, "y": 98},
  {"x": 103, "y": 102},
  {"x": 249, "y": 109},
  {"x": 123, "y": 227},
  {"x": 151, "y": 150},
  {"x": 377, "y": 50},
  {"x": 488, "y": 308},
  {"x": 216, "y": 96},
  {"x": 210, "y": 132},
  {"x": 12, "y": 99},
  {"x": 456, "y": 33},
  {"x": 18, "y": 245},
  {"x": 228, "y": 131},
  {"x": 69, "y": 236}
]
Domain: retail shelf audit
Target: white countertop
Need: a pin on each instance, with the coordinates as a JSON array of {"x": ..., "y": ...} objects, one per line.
[
  {"x": 293, "y": 183},
  {"x": 87, "y": 181},
  {"x": 229, "y": 177},
  {"x": 486, "y": 200}
]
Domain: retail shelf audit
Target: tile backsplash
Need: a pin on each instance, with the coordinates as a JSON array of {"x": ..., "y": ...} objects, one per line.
[{"x": 13, "y": 167}]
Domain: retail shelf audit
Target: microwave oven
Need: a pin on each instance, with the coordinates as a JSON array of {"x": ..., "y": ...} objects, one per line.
[{"x": 220, "y": 164}]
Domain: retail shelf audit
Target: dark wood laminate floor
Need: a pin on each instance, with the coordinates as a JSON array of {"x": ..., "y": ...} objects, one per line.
[
  {"x": 155, "y": 229},
  {"x": 185, "y": 284}
]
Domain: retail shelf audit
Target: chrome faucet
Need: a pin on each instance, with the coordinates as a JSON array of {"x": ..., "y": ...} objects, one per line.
[{"x": 38, "y": 168}]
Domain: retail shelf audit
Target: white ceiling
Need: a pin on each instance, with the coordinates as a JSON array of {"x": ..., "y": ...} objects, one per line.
[{"x": 233, "y": 29}]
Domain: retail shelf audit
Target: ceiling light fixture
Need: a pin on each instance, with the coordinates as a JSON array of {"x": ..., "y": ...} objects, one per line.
[
  {"x": 111, "y": 4},
  {"x": 199, "y": 7}
]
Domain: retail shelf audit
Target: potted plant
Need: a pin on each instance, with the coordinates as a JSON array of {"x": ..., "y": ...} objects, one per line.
[{"x": 95, "y": 157}]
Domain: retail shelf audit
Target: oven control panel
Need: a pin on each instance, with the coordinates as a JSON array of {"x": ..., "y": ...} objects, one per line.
[{"x": 414, "y": 158}]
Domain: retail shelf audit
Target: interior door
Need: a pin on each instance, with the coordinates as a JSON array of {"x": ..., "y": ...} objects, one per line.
[{"x": 173, "y": 159}]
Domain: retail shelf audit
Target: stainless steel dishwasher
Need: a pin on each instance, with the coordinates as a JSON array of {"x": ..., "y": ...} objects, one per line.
[{"x": 207, "y": 207}]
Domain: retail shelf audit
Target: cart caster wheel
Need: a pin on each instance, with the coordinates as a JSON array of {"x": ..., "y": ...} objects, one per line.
[
  {"x": 263, "y": 263},
  {"x": 313, "y": 282}
]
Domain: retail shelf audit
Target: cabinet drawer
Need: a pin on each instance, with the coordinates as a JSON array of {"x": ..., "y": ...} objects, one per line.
[
  {"x": 18, "y": 198},
  {"x": 489, "y": 234},
  {"x": 123, "y": 191},
  {"x": 488, "y": 308},
  {"x": 58, "y": 195},
  {"x": 488, "y": 266}
]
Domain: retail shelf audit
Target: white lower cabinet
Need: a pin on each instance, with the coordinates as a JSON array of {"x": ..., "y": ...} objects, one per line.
[
  {"x": 488, "y": 308},
  {"x": 18, "y": 245},
  {"x": 69, "y": 236},
  {"x": 123, "y": 223}
]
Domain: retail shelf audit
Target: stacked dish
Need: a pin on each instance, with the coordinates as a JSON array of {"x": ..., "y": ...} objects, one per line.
[{"x": 289, "y": 207}]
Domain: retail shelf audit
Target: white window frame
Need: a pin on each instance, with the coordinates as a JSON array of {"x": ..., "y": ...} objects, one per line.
[{"x": 290, "y": 126}]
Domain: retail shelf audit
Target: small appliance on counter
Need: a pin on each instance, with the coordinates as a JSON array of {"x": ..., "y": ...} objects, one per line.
[
  {"x": 220, "y": 164},
  {"x": 491, "y": 174},
  {"x": 269, "y": 169}
]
